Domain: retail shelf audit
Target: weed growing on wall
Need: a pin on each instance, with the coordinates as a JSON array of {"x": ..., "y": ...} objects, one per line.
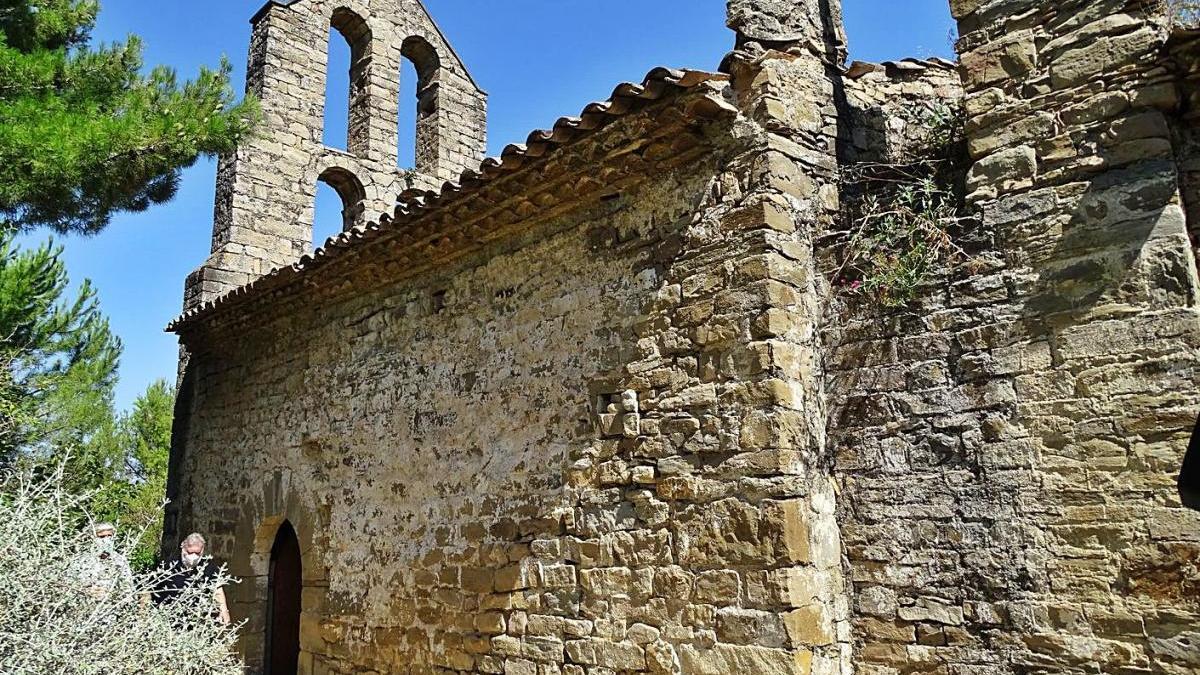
[{"x": 905, "y": 214}]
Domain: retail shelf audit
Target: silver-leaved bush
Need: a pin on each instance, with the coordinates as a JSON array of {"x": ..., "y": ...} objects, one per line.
[{"x": 54, "y": 618}]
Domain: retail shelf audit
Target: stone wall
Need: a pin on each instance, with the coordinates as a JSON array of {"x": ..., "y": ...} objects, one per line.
[
  {"x": 266, "y": 190},
  {"x": 1007, "y": 450},
  {"x": 574, "y": 448},
  {"x": 889, "y": 111},
  {"x": 598, "y": 410}
]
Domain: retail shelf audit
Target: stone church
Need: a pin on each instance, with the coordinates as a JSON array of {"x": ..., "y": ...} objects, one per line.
[{"x": 601, "y": 405}]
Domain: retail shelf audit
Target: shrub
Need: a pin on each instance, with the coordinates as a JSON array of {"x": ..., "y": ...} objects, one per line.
[
  {"x": 904, "y": 215},
  {"x": 902, "y": 235},
  {"x": 51, "y": 622}
]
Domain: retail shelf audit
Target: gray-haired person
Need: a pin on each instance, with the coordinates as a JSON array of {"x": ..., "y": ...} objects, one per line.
[
  {"x": 191, "y": 568},
  {"x": 104, "y": 572}
]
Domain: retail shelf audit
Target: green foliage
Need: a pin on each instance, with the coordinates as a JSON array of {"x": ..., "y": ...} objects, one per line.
[
  {"x": 904, "y": 215},
  {"x": 84, "y": 133},
  {"x": 60, "y": 354},
  {"x": 56, "y": 395},
  {"x": 900, "y": 238},
  {"x": 58, "y": 615},
  {"x": 125, "y": 468}
]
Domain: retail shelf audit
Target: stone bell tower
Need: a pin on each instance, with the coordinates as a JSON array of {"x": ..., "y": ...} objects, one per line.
[{"x": 266, "y": 189}]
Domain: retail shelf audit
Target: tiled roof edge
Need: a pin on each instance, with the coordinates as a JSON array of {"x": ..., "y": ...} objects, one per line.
[
  {"x": 414, "y": 203},
  {"x": 858, "y": 69}
]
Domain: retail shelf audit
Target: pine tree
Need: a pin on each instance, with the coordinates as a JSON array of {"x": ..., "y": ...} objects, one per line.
[
  {"x": 56, "y": 397},
  {"x": 125, "y": 468},
  {"x": 59, "y": 353},
  {"x": 84, "y": 133}
]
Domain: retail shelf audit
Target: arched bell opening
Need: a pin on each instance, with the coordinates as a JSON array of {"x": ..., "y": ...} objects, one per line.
[
  {"x": 340, "y": 204},
  {"x": 418, "y": 120},
  {"x": 347, "y": 86}
]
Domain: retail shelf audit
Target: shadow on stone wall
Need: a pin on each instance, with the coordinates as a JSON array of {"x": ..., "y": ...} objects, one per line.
[{"x": 1119, "y": 249}]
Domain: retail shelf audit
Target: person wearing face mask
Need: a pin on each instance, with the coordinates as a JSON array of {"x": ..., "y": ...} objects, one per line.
[
  {"x": 104, "y": 572},
  {"x": 191, "y": 567}
]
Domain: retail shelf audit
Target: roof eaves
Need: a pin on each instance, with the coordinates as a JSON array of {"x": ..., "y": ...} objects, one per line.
[{"x": 416, "y": 203}]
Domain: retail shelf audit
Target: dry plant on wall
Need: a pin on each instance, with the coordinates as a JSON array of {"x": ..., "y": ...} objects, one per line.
[{"x": 905, "y": 215}]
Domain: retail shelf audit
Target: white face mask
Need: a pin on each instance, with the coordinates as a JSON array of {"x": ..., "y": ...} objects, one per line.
[
  {"x": 191, "y": 559},
  {"x": 104, "y": 544}
]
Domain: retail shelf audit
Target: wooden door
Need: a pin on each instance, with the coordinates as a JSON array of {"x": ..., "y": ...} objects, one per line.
[{"x": 285, "y": 584}]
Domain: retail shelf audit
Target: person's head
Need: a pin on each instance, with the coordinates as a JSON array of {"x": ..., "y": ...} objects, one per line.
[
  {"x": 191, "y": 550},
  {"x": 105, "y": 534}
]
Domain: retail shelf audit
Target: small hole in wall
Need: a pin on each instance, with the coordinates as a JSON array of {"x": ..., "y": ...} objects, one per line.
[{"x": 439, "y": 302}]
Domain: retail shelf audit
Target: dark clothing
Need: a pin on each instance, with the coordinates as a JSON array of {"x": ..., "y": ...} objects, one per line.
[
  {"x": 1189, "y": 477},
  {"x": 179, "y": 577}
]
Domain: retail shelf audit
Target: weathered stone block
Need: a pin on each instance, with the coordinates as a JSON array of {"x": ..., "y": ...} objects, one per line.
[
  {"x": 1101, "y": 56},
  {"x": 720, "y": 587},
  {"x": 1012, "y": 57},
  {"x": 722, "y": 659}
]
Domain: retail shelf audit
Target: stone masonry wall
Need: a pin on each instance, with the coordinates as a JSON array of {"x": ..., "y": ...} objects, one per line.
[
  {"x": 267, "y": 189},
  {"x": 1007, "y": 450},
  {"x": 578, "y": 449},
  {"x": 634, "y": 429},
  {"x": 888, "y": 110}
]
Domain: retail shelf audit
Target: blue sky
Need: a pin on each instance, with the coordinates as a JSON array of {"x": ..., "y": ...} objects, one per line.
[{"x": 537, "y": 59}]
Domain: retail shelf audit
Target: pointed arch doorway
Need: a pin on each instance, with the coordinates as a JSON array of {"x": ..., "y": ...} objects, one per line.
[{"x": 284, "y": 588}]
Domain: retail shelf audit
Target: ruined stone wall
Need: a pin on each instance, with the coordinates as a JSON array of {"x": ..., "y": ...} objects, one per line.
[
  {"x": 893, "y": 112},
  {"x": 1006, "y": 450},
  {"x": 266, "y": 189}
]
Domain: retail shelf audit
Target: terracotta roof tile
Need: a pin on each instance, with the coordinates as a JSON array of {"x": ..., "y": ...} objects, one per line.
[{"x": 859, "y": 69}]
